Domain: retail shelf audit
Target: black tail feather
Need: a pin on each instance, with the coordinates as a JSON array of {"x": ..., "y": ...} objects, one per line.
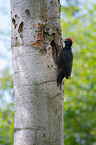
[{"x": 60, "y": 78}]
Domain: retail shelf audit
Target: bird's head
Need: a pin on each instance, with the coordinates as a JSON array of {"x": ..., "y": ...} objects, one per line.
[{"x": 68, "y": 42}]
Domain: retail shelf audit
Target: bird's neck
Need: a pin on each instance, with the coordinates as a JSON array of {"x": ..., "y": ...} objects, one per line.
[{"x": 68, "y": 47}]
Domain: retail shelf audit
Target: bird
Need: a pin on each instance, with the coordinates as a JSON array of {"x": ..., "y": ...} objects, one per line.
[{"x": 65, "y": 62}]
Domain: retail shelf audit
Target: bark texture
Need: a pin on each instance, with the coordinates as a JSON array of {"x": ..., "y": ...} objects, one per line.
[{"x": 38, "y": 103}]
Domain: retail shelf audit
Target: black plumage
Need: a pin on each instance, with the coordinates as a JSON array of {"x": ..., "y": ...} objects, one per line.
[{"x": 65, "y": 62}]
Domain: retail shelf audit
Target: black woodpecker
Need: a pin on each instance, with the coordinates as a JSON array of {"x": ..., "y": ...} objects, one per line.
[{"x": 65, "y": 62}]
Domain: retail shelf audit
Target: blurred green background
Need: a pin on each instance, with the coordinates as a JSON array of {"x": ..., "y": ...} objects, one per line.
[{"x": 78, "y": 21}]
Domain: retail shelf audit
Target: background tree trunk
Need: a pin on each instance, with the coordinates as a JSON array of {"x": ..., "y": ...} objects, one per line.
[{"x": 38, "y": 102}]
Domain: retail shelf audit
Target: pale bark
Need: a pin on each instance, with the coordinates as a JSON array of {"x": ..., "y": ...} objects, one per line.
[{"x": 38, "y": 103}]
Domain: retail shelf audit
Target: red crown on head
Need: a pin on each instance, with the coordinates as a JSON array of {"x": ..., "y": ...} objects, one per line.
[{"x": 70, "y": 40}]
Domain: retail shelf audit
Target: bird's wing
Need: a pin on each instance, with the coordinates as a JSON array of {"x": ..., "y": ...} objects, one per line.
[
  {"x": 66, "y": 62},
  {"x": 63, "y": 64},
  {"x": 69, "y": 64}
]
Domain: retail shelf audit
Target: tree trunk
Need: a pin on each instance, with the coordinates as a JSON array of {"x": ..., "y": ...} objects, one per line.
[{"x": 38, "y": 103}]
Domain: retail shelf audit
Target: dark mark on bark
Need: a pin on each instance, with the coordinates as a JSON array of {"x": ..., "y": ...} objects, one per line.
[
  {"x": 43, "y": 134},
  {"x": 43, "y": 51},
  {"x": 21, "y": 36},
  {"x": 13, "y": 21},
  {"x": 20, "y": 29},
  {"x": 15, "y": 25},
  {"x": 27, "y": 12},
  {"x": 15, "y": 16},
  {"x": 54, "y": 51}
]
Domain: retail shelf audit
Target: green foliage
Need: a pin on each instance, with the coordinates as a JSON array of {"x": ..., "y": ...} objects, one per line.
[
  {"x": 6, "y": 83},
  {"x": 6, "y": 125},
  {"x": 6, "y": 110},
  {"x": 80, "y": 90}
]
